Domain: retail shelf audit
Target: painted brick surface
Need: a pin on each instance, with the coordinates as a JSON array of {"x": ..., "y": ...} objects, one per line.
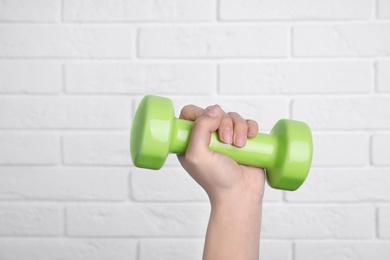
[
  {"x": 380, "y": 149},
  {"x": 30, "y": 11},
  {"x": 28, "y": 220},
  {"x": 351, "y": 150},
  {"x": 355, "y": 40},
  {"x": 343, "y": 250},
  {"x": 68, "y": 112},
  {"x": 295, "y": 78},
  {"x": 171, "y": 249},
  {"x": 131, "y": 78},
  {"x": 343, "y": 113},
  {"x": 73, "y": 72},
  {"x": 21, "y": 183},
  {"x": 336, "y": 185},
  {"x": 318, "y": 222},
  {"x": 29, "y": 148},
  {"x": 49, "y": 249},
  {"x": 65, "y": 41},
  {"x": 384, "y": 222},
  {"x": 38, "y": 77},
  {"x": 383, "y": 76},
  {"x": 166, "y": 185},
  {"x": 134, "y": 221},
  {"x": 213, "y": 42},
  {"x": 132, "y": 10},
  {"x": 294, "y": 10},
  {"x": 96, "y": 149},
  {"x": 384, "y": 9}
]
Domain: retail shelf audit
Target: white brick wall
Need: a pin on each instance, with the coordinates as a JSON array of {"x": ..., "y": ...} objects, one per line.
[
  {"x": 383, "y": 76},
  {"x": 72, "y": 73},
  {"x": 295, "y": 10},
  {"x": 136, "y": 78},
  {"x": 213, "y": 42},
  {"x": 80, "y": 249},
  {"x": 339, "y": 40}
]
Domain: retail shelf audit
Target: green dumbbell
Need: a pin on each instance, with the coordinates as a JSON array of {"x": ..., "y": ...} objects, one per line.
[{"x": 285, "y": 153}]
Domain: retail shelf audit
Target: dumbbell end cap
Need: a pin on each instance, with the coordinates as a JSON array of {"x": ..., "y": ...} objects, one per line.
[
  {"x": 294, "y": 155},
  {"x": 150, "y": 135}
]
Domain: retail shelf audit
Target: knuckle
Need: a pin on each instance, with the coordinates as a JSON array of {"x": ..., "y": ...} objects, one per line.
[
  {"x": 185, "y": 110},
  {"x": 234, "y": 114},
  {"x": 200, "y": 122},
  {"x": 227, "y": 120}
]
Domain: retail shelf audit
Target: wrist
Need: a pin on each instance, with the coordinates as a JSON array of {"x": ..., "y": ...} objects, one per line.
[
  {"x": 241, "y": 203},
  {"x": 244, "y": 198}
]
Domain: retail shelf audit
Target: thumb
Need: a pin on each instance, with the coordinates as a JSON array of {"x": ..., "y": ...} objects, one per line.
[{"x": 209, "y": 122}]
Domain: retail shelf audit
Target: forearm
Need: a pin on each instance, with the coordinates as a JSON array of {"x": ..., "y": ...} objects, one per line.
[{"x": 233, "y": 231}]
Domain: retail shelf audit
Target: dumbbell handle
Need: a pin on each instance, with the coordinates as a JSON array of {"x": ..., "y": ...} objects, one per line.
[{"x": 259, "y": 151}]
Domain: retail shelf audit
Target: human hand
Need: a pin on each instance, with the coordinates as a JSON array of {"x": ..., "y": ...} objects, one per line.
[{"x": 221, "y": 177}]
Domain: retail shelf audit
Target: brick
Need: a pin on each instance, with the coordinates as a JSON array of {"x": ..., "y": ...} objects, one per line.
[
  {"x": 66, "y": 41},
  {"x": 38, "y": 77},
  {"x": 171, "y": 249},
  {"x": 96, "y": 149},
  {"x": 172, "y": 161},
  {"x": 354, "y": 40},
  {"x": 296, "y": 78},
  {"x": 133, "y": 78},
  {"x": 326, "y": 185},
  {"x": 380, "y": 154},
  {"x": 148, "y": 220},
  {"x": 342, "y": 250},
  {"x": 80, "y": 249},
  {"x": 384, "y": 222},
  {"x": 311, "y": 221},
  {"x": 383, "y": 9},
  {"x": 26, "y": 220},
  {"x": 343, "y": 113},
  {"x": 165, "y": 185},
  {"x": 272, "y": 195},
  {"x": 296, "y": 10},
  {"x": 29, "y": 148},
  {"x": 213, "y": 42},
  {"x": 65, "y": 112},
  {"x": 275, "y": 250},
  {"x": 340, "y": 150},
  {"x": 132, "y": 10},
  {"x": 30, "y": 10},
  {"x": 383, "y": 76},
  {"x": 266, "y": 111},
  {"x": 25, "y": 183}
]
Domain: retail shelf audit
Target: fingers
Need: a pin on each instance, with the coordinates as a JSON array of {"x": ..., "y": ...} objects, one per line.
[
  {"x": 253, "y": 128},
  {"x": 204, "y": 125},
  {"x": 225, "y": 130},
  {"x": 191, "y": 112},
  {"x": 240, "y": 129},
  {"x": 233, "y": 129}
]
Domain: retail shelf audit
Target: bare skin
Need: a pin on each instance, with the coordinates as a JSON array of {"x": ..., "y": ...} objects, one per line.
[{"x": 235, "y": 191}]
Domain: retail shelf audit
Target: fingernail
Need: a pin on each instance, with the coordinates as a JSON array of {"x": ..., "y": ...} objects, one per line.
[
  {"x": 240, "y": 140},
  {"x": 252, "y": 131},
  {"x": 227, "y": 136},
  {"x": 213, "y": 111}
]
